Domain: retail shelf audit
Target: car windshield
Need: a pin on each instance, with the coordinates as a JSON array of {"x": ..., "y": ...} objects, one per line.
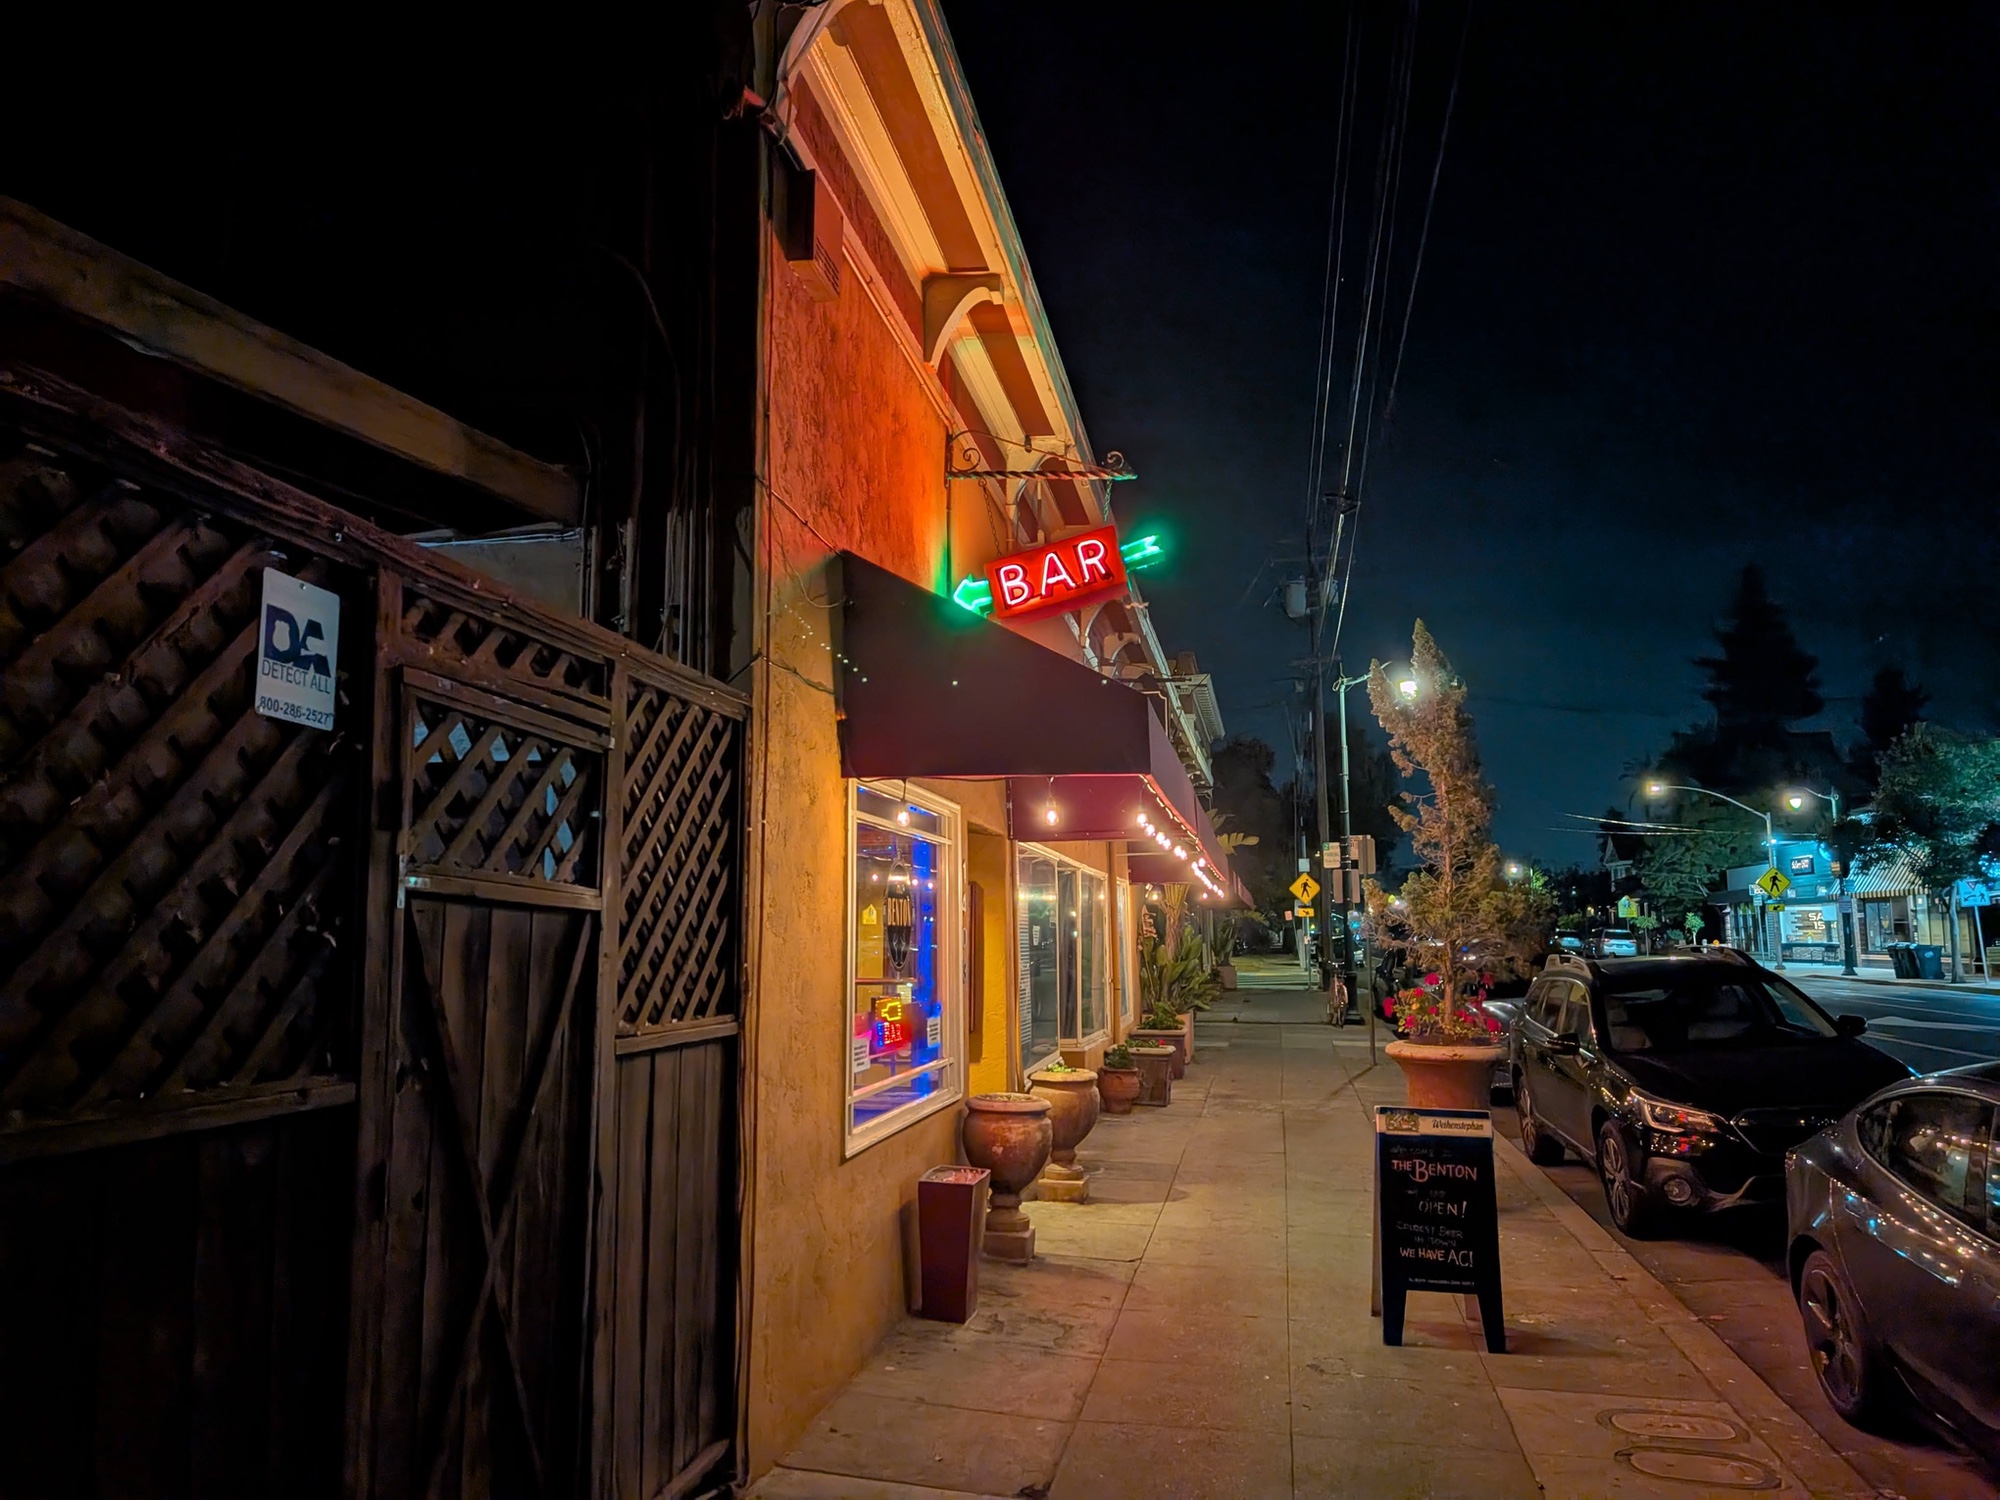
[{"x": 1699, "y": 1008}]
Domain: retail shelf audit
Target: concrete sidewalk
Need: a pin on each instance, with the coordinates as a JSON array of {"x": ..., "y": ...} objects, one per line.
[{"x": 1202, "y": 1329}]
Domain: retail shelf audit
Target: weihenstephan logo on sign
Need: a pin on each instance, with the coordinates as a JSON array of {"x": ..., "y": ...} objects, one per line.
[{"x": 298, "y": 643}]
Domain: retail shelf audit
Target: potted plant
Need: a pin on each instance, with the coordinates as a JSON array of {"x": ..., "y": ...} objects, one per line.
[
  {"x": 1010, "y": 1136},
  {"x": 1155, "y": 1062},
  {"x": 1175, "y": 981},
  {"x": 1456, "y": 910},
  {"x": 1161, "y": 1027},
  {"x": 1072, "y": 1096},
  {"x": 1225, "y": 950},
  {"x": 1118, "y": 1080}
]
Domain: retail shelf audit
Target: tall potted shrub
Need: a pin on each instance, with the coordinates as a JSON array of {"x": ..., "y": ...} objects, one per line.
[
  {"x": 1456, "y": 913},
  {"x": 1174, "y": 982},
  {"x": 1225, "y": 950}
]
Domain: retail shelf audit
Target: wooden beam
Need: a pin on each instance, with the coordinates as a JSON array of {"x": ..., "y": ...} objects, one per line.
[
  {"x": 168, "y": 1114},
  {"x": 51, "y": 263}
]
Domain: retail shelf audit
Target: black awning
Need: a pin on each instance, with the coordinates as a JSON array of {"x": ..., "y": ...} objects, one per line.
[{"x": 927, "y": 688}]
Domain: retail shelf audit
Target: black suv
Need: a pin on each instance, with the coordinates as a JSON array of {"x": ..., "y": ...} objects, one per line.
[{"x": 1683, "y": 1080}]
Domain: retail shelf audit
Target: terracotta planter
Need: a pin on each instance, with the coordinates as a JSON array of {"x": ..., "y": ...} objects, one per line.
[
  {"x": 1156, "y": 1073},
  {"x": 1175, "y": 1039},
  {"x": 1118, "y": 1088},
  {"x": 1227, "y": 974},
  {"x": 1187, "y": 1034},
  {"x": 1072, "y": 1112},
  {"x": 1010, "y": 1136},
  {"x": 1447, "y": 1077}
]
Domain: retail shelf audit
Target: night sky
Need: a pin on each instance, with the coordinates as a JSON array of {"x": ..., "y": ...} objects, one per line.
[{"x": 1706, "y": 284}]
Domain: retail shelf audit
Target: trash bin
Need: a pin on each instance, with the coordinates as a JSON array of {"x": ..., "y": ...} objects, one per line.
[
  {"x": 1928, "y": 961},
  {"x": 1902, "y": 960},
  {"x": 951, "y": 1205}
]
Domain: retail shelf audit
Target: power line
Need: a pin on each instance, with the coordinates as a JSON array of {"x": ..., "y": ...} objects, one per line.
[{"x": 1430, "y": 202}]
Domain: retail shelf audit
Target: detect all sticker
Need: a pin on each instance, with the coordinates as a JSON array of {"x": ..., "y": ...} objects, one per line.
[{"x": 298, "y": 650}]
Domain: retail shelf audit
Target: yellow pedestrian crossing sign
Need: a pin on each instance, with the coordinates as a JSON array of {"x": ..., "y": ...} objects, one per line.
[
  {"x": 1774, "y": 883},
  {"x": 1305, "y": 888}
]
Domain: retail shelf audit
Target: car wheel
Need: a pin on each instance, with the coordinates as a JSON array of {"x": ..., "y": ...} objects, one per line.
[
  {"x": 1836, "y": 1337},
  {"x": 1630, "y": 1203},
  {"x": 1541, "y": 1148}
]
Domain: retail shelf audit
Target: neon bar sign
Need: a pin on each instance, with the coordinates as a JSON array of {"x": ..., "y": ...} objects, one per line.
[{"x": 1060, "y": 575}]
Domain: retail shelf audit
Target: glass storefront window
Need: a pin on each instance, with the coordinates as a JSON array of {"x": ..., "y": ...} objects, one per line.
[
  {"x": 903, "y": 998},
  {"x": 1063, "y": 925},
  {"x": 1035, "y": 917}
]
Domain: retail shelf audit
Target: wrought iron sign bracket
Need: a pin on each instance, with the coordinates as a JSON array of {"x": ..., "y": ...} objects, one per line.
[{"x": 963, "y": 460}]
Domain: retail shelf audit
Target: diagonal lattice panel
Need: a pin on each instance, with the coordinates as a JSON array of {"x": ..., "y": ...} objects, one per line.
[
  {"x": 460, "y": 644},
  {"x": 678, "y": 926},
  {"x": 490, "y": 799},
  {"x": 164, "y": 850}
]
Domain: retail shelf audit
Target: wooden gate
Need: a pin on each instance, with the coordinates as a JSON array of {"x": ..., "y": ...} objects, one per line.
[{"x": 463, "y": 974}]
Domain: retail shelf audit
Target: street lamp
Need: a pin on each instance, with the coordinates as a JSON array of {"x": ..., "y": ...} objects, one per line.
[
  {"x": 1513, "y": 870},
  {"x": 1796, "y": 800},
  {"x": 1407, "y": 686},
  {"x": 1658, "y": 788}
]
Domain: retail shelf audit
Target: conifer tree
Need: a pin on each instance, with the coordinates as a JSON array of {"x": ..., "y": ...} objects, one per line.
[
  {"x": 1763, "y": 681},
  {"x": 1893, "y": 703}
]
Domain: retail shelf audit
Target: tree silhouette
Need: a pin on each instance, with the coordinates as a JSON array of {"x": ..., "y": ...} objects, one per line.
[
  {"x": 1760, "y": 683},
  {"x": 1255, "y": 810},
  {"x": 1763, "y": 681},
  {"x": 1893, "y": 703}
]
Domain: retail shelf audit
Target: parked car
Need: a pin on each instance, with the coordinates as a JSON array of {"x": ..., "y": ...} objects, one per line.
[
  {"x": 1684, "y": 1081},
  {"x": 1894, "y": 1224},
  {"x": 1618, "y": 942},
  {"x": 1503, "y": 1005}
]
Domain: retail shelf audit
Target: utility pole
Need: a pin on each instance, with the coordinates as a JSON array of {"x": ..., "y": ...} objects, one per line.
[
  {"x": 1324, "y": 900},
  {"x": 1322, "y": 596}
]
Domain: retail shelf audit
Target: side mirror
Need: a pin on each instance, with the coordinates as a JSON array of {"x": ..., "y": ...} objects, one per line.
[
  {"x": 1565, "y": 1045},
  {"x": 1850, "y": 1025}
]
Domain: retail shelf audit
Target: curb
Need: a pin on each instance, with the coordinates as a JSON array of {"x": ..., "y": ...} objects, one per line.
[{"x": 1817, "y": 1466}]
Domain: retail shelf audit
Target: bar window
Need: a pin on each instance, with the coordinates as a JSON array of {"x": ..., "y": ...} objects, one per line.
[
  {"x": 1064, "y": 915},
  {"x": 905, "y": 991}
]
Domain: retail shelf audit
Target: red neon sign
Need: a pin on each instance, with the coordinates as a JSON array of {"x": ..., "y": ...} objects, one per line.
[{"x": 1062, "y": 575}]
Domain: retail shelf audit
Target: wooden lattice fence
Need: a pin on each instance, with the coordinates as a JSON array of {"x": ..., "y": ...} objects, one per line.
[{"x": 456, "y": 982}]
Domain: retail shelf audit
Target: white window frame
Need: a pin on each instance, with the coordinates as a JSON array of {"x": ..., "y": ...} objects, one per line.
[
  {"x": 1104, "y": 929},
  {"x": 1125, "y": 939},
  {"x": 950, "y": 1069}
]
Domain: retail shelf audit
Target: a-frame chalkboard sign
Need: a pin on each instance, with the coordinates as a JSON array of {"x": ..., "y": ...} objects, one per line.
[{"x": 1437, "y": 1219}]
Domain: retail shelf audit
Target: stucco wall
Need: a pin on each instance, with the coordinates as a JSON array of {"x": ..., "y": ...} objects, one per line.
[{"x": 855, "y": 460}]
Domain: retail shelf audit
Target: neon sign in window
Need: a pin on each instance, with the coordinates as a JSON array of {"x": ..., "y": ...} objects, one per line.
[{"x": 902, "y": 1055}]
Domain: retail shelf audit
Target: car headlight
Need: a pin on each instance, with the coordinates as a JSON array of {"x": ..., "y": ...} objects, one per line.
[{"x": 1675, "y": 1119}]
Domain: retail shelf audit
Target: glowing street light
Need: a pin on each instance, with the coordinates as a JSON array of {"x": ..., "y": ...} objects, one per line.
[{"x": 1661, "y": 788}]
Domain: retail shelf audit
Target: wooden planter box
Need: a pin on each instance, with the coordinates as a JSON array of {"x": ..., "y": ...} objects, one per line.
[{"x": 1156, "y": 1076}]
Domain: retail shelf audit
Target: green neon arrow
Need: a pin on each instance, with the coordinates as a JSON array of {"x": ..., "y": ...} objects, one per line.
[
  {"x": 1141, "y": 552},
  {"x": 973, "y": 593}
]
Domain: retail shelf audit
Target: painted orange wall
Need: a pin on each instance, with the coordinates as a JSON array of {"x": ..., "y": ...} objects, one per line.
[{"x": 855, "y": 460}]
